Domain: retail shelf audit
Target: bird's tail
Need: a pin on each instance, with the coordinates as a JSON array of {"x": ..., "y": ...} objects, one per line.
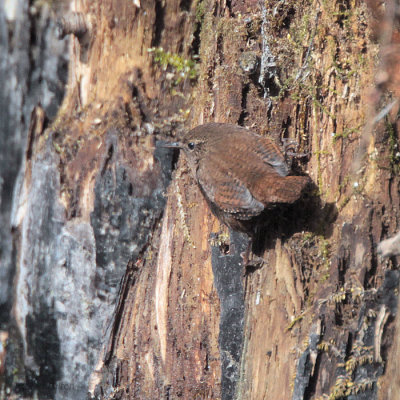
[{"x": 285, "y": 189}]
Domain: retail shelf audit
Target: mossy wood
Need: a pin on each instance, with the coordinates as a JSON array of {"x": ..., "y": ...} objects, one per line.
[{"x": 317, "y": 319}]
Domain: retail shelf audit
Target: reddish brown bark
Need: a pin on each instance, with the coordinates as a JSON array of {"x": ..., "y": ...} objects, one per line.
[{"x": 318, "y": 318}]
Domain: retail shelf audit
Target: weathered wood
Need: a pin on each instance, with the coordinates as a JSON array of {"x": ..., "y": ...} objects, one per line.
[
  {"x": 317, "y": 319},
  {"x": 26, "y": 80}
]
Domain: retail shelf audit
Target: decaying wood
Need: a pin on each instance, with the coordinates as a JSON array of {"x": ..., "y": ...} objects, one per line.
[{"x": 318, "y": 318}]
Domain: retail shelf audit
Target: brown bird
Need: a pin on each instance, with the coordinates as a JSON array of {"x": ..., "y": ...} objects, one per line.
[{"x": 239, "y": 172}]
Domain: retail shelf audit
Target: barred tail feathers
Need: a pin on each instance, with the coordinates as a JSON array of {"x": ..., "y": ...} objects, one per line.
[{"x": 285, "y": 189}]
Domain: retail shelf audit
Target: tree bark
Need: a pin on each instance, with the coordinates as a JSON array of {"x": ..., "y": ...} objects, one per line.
[{"x": 126, "y": 284}]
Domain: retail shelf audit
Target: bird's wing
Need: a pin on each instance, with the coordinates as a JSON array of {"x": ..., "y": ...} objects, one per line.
[
  {"x": 272, "y": 155},
  {"x": 225, "y": 191},
  {"x": 240, "y": 138}
]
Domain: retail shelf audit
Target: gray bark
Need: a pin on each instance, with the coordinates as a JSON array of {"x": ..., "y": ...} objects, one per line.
[{"x": 33, "y": 69}]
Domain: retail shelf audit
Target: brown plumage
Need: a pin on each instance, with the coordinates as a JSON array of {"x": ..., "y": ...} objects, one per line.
[{"x": 240, "y": 172}]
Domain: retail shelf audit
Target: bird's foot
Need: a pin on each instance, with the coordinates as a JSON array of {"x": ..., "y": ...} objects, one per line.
[
  {"x": 252, "y": 262},
  {"x": 290, "y": 147}
]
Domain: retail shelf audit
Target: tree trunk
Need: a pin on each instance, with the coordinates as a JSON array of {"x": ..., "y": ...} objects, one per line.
[{"x": 127, "y": 286}]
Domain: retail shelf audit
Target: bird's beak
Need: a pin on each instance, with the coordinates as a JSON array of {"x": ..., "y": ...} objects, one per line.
[{"x": 173, "y": 145}]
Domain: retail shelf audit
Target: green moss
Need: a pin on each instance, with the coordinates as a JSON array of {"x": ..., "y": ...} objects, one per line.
[
  {"x": 345, "y": 385},
  {"x": 343, "y": 203},
  {"x": 325, "y": 249},
  {"x": 57, "y": 147},
  {"x": 293, "y": 323},
  {"x": 319, "y": 170},
  {"x": 346, "y": 133},
  {"x": 299, "y": 33},
  {"x": 181, "y": 67},
  {"x": 317, "y": 103},
  {"x": 345, "y": 71},
  {"x": 394, "y": 153},
  {"x": 200, "y": 11},
  {"x": 344, "y": 183}
]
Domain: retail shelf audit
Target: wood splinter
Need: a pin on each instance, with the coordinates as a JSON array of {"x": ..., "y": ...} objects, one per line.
[{"x": 381, "y": 320}]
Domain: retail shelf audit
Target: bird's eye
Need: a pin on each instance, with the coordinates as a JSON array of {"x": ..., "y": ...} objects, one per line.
[{"x": 191, "y": 145}]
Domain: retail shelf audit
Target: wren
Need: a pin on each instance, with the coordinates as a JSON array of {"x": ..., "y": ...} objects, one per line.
[{"x": 239, "y": 172}]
